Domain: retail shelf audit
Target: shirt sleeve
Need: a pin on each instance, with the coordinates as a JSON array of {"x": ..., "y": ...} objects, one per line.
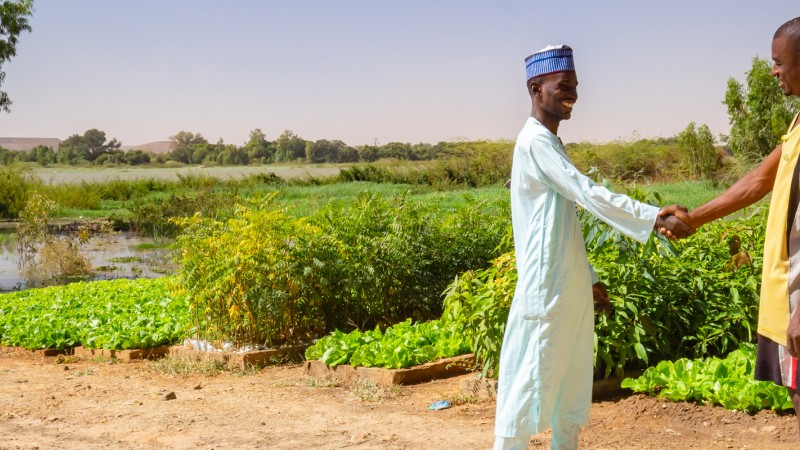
[{"x": 550, "y": 166}]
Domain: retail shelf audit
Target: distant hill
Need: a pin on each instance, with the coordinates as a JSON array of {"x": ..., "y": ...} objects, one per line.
[
  {"x": 18, "y": 143},
  {"x": 152, "y": 147}
]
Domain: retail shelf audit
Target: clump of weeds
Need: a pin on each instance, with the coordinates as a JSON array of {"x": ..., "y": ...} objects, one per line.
[{"x": 171, "y": 365}]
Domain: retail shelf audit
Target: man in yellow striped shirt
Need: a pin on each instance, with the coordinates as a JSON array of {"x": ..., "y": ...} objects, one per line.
[{"x": 779, "y": 317}]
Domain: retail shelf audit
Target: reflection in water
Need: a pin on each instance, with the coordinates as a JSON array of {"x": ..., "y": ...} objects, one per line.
[{"x": 111, "y": 256}]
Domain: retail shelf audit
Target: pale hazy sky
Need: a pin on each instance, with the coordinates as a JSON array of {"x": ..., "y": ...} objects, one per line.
[{"x": 361, "y": 71}]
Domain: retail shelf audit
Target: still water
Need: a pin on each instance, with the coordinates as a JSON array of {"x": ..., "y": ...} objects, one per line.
[{"x": 113, "y": 255}]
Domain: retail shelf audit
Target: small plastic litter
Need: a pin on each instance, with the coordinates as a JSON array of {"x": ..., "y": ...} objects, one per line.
[{"x": 439, "y": 404}]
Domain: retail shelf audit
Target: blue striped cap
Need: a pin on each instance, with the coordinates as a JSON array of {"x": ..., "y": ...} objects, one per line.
[{"x": 553, "y": 58}]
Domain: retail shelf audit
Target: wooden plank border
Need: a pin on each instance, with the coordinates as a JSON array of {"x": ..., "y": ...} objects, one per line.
[
  {"x": 442, "y": 368},
  {"x": 123, "y": 355}
]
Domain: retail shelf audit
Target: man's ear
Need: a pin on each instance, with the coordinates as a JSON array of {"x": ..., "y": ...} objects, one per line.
[{"x": 534, "y": 87}]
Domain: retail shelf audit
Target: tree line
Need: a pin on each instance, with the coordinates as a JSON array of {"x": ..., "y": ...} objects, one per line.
[{"x": 94, "y": 148}]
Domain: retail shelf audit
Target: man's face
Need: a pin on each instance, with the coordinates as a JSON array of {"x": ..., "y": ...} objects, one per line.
[
  {"x": 557, "y": 94},
  {"x": 786, "y": 66}
]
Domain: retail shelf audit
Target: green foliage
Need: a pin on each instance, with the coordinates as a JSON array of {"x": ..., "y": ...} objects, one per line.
[
  {"x": 629, "y": 161},
  {"x": 184, "y": 145},
  {"x": 698, "y": 144},
  {"x": 264, "y": 276},
  {"x": 759, "y": 112},
  {"x": 289, "y": 147},
  {"x": 242, "y": 276},
  {"x": 478, "y": 303},
  {"x": 155, "y": 217},
  {"x": 693, "y": 297},
  {"x": 114, "y": 315},
  {"x": 726, "y": 382},
  {"x": 89, "y": 146},
  {"x": 43, "y": 256},
  {"x": 400, "y": 346},
  {"x": 16, "y": 185},
  {"x": 464, "y": 164},
  {"x": 14, "y": 16}
]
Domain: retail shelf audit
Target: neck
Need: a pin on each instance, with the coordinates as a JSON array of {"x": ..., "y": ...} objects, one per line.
[{"x": 548, "y": 121}]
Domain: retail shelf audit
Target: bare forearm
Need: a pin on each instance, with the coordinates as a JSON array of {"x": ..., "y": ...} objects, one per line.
[
  {"x": 748, "y": 190},
  {"x": 738, "y": 196}
]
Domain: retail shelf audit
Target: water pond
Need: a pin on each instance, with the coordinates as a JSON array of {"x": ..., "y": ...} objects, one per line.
[{"x": 111, "y": 255}]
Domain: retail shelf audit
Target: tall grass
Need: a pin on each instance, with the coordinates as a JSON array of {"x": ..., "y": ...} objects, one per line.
[{"x": 687, "y": 193}]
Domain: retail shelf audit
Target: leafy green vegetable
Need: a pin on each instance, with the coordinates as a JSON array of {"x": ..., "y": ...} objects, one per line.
[
  {"x": 726, "y": 382},
  {"x": 402, "y": 345},
  {"x": 115, "y": 315}
]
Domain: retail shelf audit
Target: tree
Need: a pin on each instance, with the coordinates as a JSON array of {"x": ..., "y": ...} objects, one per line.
[
  {"x": 43, "y": 155},
  {"x": 323, "y": 151},
  {"x": 71, "y": 150},
  {"x": 396, "y": 150},
  {"x": 759, "y": 113},
  {"x": 13, "y": 21},
  {"x": 88, "y": 146},
  {"x": 183, "y": 145},
  {"x": 698, "y": 143},
  {"x": 289, "y": 147},
  {"x": 136, "y": 157},
  {"x": 368, "y": 153},
  {"x": 258, "y": 148},
  {"x": 96, "y": 145}
]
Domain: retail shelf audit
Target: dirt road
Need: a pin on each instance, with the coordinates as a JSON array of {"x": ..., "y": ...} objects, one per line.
[{"x": 86, "y": 404}]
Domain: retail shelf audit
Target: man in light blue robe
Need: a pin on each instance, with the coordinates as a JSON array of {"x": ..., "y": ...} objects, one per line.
[{"x": 546, "y": 360}]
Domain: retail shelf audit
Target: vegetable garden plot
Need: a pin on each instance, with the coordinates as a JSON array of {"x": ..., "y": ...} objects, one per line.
[
  {"x": 726, "y": 382},
  {"x": 402, "y": 354},
  {"x": 441, "y": 368},
  {"x": 401, "y": 346},
  {"x": 112, "y": 315}
]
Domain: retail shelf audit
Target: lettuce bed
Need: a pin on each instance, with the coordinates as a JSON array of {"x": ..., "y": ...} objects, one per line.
[
  {"x": 114, "y": 315},
  {"x": 726, "y": 382},
  {"x": 400, "y": 346}
]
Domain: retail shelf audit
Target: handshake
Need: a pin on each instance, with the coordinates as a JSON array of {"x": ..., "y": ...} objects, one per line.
[{"x": 674, "y": 222}]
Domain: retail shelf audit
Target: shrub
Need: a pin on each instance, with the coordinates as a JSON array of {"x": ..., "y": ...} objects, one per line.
[
  {"x": 691, "y": 298},
  {"x": 16, "y": 184},
  {"x": 467, "y": 164},
  {"x": 629, "y": 161},
  {"x": 265, "y": 277}
]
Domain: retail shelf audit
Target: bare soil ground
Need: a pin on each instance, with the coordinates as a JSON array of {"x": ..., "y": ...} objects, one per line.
[{"x": 47, "y": 403}]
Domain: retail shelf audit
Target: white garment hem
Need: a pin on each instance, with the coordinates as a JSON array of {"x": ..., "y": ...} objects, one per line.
[{"x": 541, "y": 427}]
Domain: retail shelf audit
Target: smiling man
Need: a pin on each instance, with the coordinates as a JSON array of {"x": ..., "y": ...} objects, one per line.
[{"x": 546, "y": 359}]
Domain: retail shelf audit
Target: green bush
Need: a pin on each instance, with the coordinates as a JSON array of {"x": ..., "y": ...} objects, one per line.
[
  {"x": 263, "y": 276},
  {"x": 467, "y": 164},
  {"x": 685, "y": 299},
  {"x": 16, "y": 184},
  {"x": 629, "y": 161}
]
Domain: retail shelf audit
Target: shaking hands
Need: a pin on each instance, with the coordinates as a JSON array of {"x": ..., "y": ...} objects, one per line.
[{"x": 674, "y": 222}]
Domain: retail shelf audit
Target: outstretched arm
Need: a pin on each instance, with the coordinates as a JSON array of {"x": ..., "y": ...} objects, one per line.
[{"x": 748, "y": 190}]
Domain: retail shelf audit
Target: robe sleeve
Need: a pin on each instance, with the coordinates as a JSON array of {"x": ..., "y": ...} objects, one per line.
[{"x": 550, "y": 166}]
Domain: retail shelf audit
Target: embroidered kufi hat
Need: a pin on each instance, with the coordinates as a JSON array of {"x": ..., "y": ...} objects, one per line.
[{"x": 551, "y": 59}]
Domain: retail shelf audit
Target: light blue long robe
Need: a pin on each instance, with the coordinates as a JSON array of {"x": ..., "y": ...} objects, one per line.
[{"x": 546, "y": 358}]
